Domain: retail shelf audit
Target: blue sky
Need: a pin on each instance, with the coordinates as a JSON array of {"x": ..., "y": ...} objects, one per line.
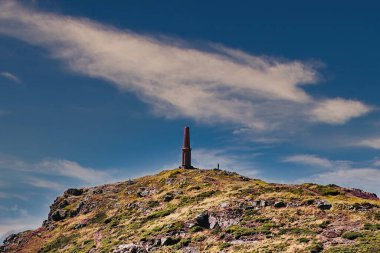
[{"x": 93, "y": 92}]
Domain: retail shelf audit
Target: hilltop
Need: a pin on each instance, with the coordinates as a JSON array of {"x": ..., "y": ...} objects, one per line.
[{"x": 193, "y": 210}]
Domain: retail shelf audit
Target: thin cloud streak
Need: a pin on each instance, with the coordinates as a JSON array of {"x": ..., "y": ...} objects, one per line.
[
  {"x": 369, "y": 143},
  {"x": 56, "y": 167},
  {"x": 222, "y": 85},
  {"x": 74, "y": 170},
  {"x": 312, "y": 160},
  {"x": 41, "y": 183},
  {"x": 10, "y": 76}
]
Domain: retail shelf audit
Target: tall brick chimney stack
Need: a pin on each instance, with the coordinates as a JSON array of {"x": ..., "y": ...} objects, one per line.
[{"x": 186, "y": 150}]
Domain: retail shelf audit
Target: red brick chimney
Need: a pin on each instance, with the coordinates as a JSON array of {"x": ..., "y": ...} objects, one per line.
[{"x": 186, "y": 150}]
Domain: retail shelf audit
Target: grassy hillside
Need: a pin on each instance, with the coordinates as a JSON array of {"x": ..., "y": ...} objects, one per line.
[{"x": 206, "y": 211}]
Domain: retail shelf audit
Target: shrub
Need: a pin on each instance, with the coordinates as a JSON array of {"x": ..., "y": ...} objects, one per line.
[
  {"x": 184, "y": 242},
  {"x": 58, "y": 243},
  {"x": 351, "y": 235},
  {"x": 153, "y": 203},
  {"x": 196, "y": 229},
  {"x": 316, "y": 247},
  {"x": 224, "y": 245},
  {"x": 324, "y": 224},
  {"x": 99, "y": 218},
  {"x": 328, "y": 190},
  {"x": 239, "y": 231},
  {"x": 197, "y": 198},
  {"x": 160, "y": 213},
  {"x": 373, "y": 227},
  {"x": 304, "y": 240},
  {"x": 262, "y": 220}
]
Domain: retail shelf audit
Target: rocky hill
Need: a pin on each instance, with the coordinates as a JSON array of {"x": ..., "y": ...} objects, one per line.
[{"x": 206, "y": 211}]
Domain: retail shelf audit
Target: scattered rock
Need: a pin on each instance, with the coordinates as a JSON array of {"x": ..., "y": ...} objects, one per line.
[
  {"x": 323, "y": 205},
  {"x": 130, "y": 182},
  {"x": 362, "y": 206},
  {"x": 202, "y": 220},
  {"x": 194, "y": 188},
  {"x": 294, "y": 204},
  {"x": 79, "y": 207},
  {"x": 93, "y": 250},
  {"x": 168, "y": 197},
  {"x": 190, "y": 250},
  {"x": 279, "y": 204},
  {"x": 58, "y": 215},
  {"x": 309, "y": 202},
  {"x": 167, "y": 241},
  {"x": 170, "y": 181},
  {"x": 243, "y": 178},
  {"x": 143, "y": 192},
  {"x": 333, "y": 233},
  {"x": 97, "y": 191},
  {"x": 73, "y": 192},
  {"x": 224, "y": 205},
  {"x": 130, "y": 248},
  {"x": 79, "y": 226},
  {"x": 63, "y": 204},
  {"x": 11, "y": 238},
  {"x": 223, "y": 220},
  {"x": 132, "y": 205}
]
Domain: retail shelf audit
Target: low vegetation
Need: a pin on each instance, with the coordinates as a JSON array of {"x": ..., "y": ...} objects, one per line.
[{"x": 206, "y": 211}]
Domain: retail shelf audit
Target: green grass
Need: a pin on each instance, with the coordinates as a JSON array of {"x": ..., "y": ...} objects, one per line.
[
  {"x": 352, "y": 235},
  {"x": 304, "y": 240},
  {"x": 239, "y": 231},
  {"x": 197, "y": 198},
  {"x": 316, "y": 247},
  {"x": 59, "y": 243},
  {"x": 369, "y": 242},
  {"x": 99, "y": 217},
  {"x": 160, "y": 213},
  {"x": 224, "y": 245},
  {"x": 373, "y": 227},
  {"x": 324, "y": 224}
]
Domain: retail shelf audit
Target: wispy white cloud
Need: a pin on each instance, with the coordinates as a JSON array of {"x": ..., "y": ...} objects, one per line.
[
  {"x": 10, "y": 76},
  {"x": 338, "y": 111},
  {"x": 41, "y": 183},
  {"x": 376, "y": 163},
  {"x": 369, "y": 143},
  {"x": 73, "y": 170},
  {"x": 214, "y": 85},
  {"x": 312, "y": 160},
  {"x": 55, "y": 167},
  {"x": 8, "y": 195}
]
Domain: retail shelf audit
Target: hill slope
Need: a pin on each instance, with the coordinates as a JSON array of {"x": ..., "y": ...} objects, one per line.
[{"x": 206, "y": 211}]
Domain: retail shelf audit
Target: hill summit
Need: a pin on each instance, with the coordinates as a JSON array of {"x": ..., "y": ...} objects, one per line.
[{"x": 194, "y": 210}]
